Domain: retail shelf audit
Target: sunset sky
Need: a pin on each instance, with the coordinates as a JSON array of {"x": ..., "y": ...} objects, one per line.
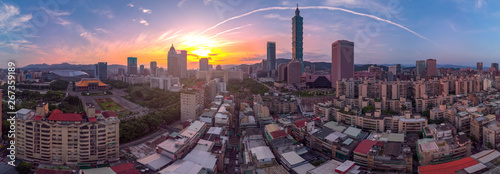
[{"x": 459, "y": 32}]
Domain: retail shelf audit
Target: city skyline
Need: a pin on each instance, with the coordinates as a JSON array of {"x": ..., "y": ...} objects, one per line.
[{"x": 112, "y": 31}]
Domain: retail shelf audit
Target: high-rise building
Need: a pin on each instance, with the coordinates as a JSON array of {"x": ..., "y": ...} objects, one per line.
[
  {"x": 67, "y": 138},
  {"x": 342, "y": 61},
  {"x": 293, "y": 72},
  {"x": 141, "y": 69},
  {"x": 282, "y": 72},
  {"x": 271, "y": 56},
  {"x": 153, "y": 66},
  {"x": 479, "y": 66},
  {"x": 177, "y": 63},
  {"x": 192, "y": 103},
  {"x": 297, "y": 33},
  {"x": 431, "y": 68},
  {"x": 393, "y": 70},
  {"x": 265, "y": 65},
  {"x": 494, "y": 65},
  {"x": 121, "y": 71},
  {"x": 132, "y": 65},
  {"x": 398, "y": 69},
  {"x": 101, "y": 70},
  {"x": 183, "y": 64},
  {"x": 204, "y": 64},
  {"x": 420, "y": 67},
  {"x": 173, "y": 62}
]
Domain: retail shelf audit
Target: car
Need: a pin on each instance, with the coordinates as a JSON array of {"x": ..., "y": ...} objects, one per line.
[
  {"x": 236, "y": 163},
  {"x": 235, "y": 169}
]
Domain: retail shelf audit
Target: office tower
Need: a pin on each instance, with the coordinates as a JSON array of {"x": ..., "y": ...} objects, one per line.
[
  {"x": 294, "y": 75},
  {"x": 494, "y": 65},
  {"x": 183, "y": 63},
  {"x": 282, "y": 72},
  {"x": 250, "y": 69},
  {"x": 271, "y": 56},
  {"x": 218, "y": 68},
  {"x": 479, "y": 66},
  {"x": 153, "y": 66},
  {"x": 265, "y": 65},
  {"x": 141, "y": 69},
  {"x": 101, "y": 70},
  {"x": 177, "y": 63},
  {"x": 420, "y": 67},
  {"x": 67, "y": 138},
  {"x": 121, "y": 71},
  {"x": 297, "y": 32},
  {"x": 132, "y": 65},
  {"x": 431, "y": 68},
  {"x": 204, "y": 64},
  {"x": 398, "y": 69},
  {"x": 342, "y": 61},
  {"x": 173, "y": 63}
]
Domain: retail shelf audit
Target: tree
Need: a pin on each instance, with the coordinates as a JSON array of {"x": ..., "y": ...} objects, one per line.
[
  {"x": 489, "y": 145},
  {"x": 59, "y": 85},
  {"x": 367, "y": 109},
  {"x": 426, "y": 113},
  {"x": 403, "y": 107},
  {"x": 24, "y": 168}
]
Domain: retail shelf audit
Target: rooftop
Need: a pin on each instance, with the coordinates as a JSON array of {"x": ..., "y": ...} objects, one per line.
[
  {"x": 352, "y": 131},
  {"x": 182, "y": 167},
  {"x": 292, "y": 158},
  {"x": 262, "y": 152},
  {"x": 57, "y": 115},
  {"x": 155, "y": 161},
  {"x": 327, "y": 167},
  {"x": 449, "y": 167},
  {"x": 365, "y": 146}
]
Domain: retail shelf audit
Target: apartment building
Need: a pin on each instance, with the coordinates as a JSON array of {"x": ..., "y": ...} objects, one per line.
[
  {"x": 67, "y": 138},
  {"x": 182, "y": 143},
  {"x": 192, "y": 103}
]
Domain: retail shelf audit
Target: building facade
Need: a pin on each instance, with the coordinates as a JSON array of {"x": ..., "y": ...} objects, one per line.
[
  {"x": 132, "y": 65},
  {"x": 297, "y": 39},
  {"x": 67, "y": 138},
  {"x": 342, "y": 61}
]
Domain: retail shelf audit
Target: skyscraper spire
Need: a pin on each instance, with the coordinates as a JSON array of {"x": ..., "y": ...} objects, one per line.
[
  {"x": 297, "y": 12},
  {"x": 297, "y": 39}
]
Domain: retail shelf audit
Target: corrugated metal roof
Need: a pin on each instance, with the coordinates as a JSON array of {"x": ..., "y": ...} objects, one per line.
[
  {"x": 475, "y": 168},
  {"x": 292, "y": 158},
  {"x": 155, "y": 161}
]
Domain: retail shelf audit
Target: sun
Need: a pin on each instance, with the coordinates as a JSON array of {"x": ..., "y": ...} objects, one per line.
[{"x": 202, "y": 51}]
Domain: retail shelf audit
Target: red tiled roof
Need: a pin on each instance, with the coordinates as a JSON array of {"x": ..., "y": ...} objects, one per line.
[
  {"x": 57, "y": 115},
  {"x": 449, "y": 167},
  {"x": 127, "y": 168},
  {"x": 300, "y": 123},
  {"x": 380, "y": 144},
  {"x": 50, "y": 171},
  {"x": 92, "y": 119},
  {"x": 97, "y": 111},
  {"x": 38, "y": 118},
  {"x": 108, "y": 114},
  {"x": 365, "y": 146},
  {"x": 278, "y": 134}
]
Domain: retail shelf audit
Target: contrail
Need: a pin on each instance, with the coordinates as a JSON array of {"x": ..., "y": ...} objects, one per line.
[
  {"x": 232, "y": 29},
  {"x": 319, "y": 7}
]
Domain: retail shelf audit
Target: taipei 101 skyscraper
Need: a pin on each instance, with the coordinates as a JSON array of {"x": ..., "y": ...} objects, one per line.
[{"x": 297, "y": 32}]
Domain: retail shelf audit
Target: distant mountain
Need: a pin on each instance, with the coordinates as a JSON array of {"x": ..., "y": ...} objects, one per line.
[{"x": 67, "y": 66}]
